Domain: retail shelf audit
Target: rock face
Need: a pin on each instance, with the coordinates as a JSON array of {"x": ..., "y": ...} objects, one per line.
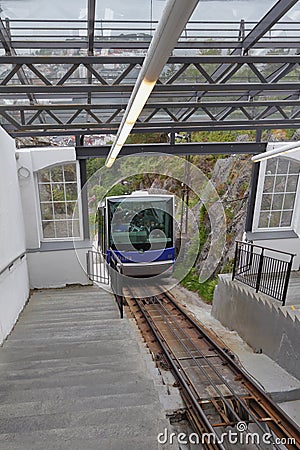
[{"x": 231, "y": 178}]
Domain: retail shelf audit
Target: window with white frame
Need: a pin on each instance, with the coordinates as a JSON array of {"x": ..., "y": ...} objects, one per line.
[
  {"x": 58, "y": 193},
  {"x": 278, "y": 193}
]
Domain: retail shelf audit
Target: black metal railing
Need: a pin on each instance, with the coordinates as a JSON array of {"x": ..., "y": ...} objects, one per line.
[
  {"x": 97, "y": 267},
  {"x": 115, "y": 272},
  {"x": 265, "y": 269},
  {"x": 100, "y": 272},
  {"x": 10, "y": 265}
]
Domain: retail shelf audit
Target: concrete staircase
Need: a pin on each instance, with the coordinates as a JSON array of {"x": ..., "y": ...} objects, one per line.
[{"x": 72, "y": 376}]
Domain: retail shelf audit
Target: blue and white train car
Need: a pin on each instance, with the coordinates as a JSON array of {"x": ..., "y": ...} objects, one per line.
[{"x": 138, "y": 231}]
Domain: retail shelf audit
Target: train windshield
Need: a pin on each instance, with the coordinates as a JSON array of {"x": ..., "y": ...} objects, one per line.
[{"x": 140, "y": 224}]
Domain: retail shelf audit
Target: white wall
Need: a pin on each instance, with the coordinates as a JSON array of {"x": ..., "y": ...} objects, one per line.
[
  {"x": 14, "y": 288},
  {"x": 57, "y": 268},
  {"x": 48, "y": 267},
  {"x": 289, "y": 244}
]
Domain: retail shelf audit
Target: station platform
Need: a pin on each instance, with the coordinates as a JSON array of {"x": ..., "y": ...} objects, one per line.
[{"x": 73, "y": 376}]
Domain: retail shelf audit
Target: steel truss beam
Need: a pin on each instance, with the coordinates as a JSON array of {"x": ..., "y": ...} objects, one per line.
[
  {"x": 250, "y": 104},
  {"x": 18, "y": 69},
  {"x": 87, "y": 94},
  {"x": 163, "y": 128},
  {"x": 191, "y": 148}
]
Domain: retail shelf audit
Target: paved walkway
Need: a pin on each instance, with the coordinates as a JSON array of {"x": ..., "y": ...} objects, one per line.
[{"x": 72, "y": 376}]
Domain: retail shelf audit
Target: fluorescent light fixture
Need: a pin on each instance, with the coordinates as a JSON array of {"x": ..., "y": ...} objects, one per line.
[
  {"x": 174, "y": 18},
  {"x": 135, "y": 110},
  {"x": 288, "y": 148},
  {"x": 139, "y": 101}
]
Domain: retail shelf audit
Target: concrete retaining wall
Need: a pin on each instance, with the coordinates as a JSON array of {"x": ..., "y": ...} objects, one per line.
[{"x": 264, "y": 325}]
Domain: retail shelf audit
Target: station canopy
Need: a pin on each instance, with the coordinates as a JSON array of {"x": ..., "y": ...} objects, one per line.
[{"x": 235, "y": 67}]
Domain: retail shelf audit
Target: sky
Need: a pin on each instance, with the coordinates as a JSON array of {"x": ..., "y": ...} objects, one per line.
[{"x": 134, "y": 9}]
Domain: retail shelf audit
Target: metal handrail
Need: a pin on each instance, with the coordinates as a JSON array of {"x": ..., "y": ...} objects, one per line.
[
  {"x": 265, "y": 273},
  {"x": 112, "y": 252},
  {"x": 9, "y": 266},
  {"x": 266, "y": 248}
]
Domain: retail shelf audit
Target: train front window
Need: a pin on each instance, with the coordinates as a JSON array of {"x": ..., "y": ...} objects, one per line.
[{"x": 141, "y": 224}]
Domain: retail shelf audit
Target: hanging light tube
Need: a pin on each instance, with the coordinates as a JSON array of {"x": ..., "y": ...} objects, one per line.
[{"x": 174, "y": 18}]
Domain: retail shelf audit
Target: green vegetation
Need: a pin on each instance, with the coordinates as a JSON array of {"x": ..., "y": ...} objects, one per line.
[
  {"x": 204, "y": 290},
  {"x": 198, "y": 242},
  {"x": 191, "y": 281}
]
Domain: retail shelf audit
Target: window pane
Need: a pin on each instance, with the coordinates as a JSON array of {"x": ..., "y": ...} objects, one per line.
[
  {"x": 71, "y": 191},
  {"x": 47, "y": 211},
  {"x": 44, "y": 176},
  {"x": 57, "y": 174},
  {"x": 48, "y": 229},
  {"x": 61, "y": 229},
  {"x": 283, "y": 165},
  {"x": 286, "y": 218},
  {"x": 58, "y": 195},
  {"x": 280, "y": 183},
  {"x": 70, "y": 172},
  {"x": 294, "y": 167},
  {"x": 292, "y": 183},
  {"x": 266, "y": 202},
  {"x": 271, "y": 166},
  {"x": 58, "y": 192},
  {"x": 59, "y": 210},
  {"x": 279, "y": 193},
  {"x": 264, "y": 220},
  {"x": 277, "y": 201},
  {"x": 74, "y": 229},
  {"x": 275, "y": 219},
  {"x": 289, "y": 200},
  {"x": 71, "y": 208},
  {"x": 269, "y": 184},
  {"x": 45, "y": 192}
]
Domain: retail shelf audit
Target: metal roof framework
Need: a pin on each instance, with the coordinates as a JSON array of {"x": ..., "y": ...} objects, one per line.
[{"x": 233, "y": 76}]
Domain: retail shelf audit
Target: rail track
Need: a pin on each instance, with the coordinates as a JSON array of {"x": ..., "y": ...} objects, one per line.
[{"x": 220, "y": 396}]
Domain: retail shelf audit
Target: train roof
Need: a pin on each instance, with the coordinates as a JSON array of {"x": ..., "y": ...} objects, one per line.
[{"x": 142, "y": 194}]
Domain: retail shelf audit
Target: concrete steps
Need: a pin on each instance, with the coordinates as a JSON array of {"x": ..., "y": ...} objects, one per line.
[{"x": 73, "y": 376}]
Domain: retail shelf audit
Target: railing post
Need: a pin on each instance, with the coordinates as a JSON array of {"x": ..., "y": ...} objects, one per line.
[
  {"x": 88, "y": 264},
  {"x": 115, "y": 283},
  {"x": 235, "y": 259},
  {"x": 287, "y": 278},
  {"x": 261, "y": 260}
]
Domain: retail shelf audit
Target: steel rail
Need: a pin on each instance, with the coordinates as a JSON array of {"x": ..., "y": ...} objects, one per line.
[
  {"x": 215, "y": 387},
  {"x": 278, "y": 421},
  {"x": 203, "y": 419},
  {"x": 272, "y": 406}
]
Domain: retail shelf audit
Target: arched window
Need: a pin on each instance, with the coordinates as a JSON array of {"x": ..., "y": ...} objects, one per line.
[
  {"x": 279, "y": 193},
  {"x": 58, "y": 194}
]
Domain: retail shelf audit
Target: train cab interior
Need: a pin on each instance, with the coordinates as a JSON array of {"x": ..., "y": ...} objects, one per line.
[{"x": 143, "y": 225}]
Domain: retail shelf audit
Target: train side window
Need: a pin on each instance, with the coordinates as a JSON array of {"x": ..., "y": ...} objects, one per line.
[{"x": 101, "y": 229}]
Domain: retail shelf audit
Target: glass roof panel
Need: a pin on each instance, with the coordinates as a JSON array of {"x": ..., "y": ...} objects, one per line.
[
  {"x": 71, "y": 92},
  {"x": 133, "y": 9}
]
